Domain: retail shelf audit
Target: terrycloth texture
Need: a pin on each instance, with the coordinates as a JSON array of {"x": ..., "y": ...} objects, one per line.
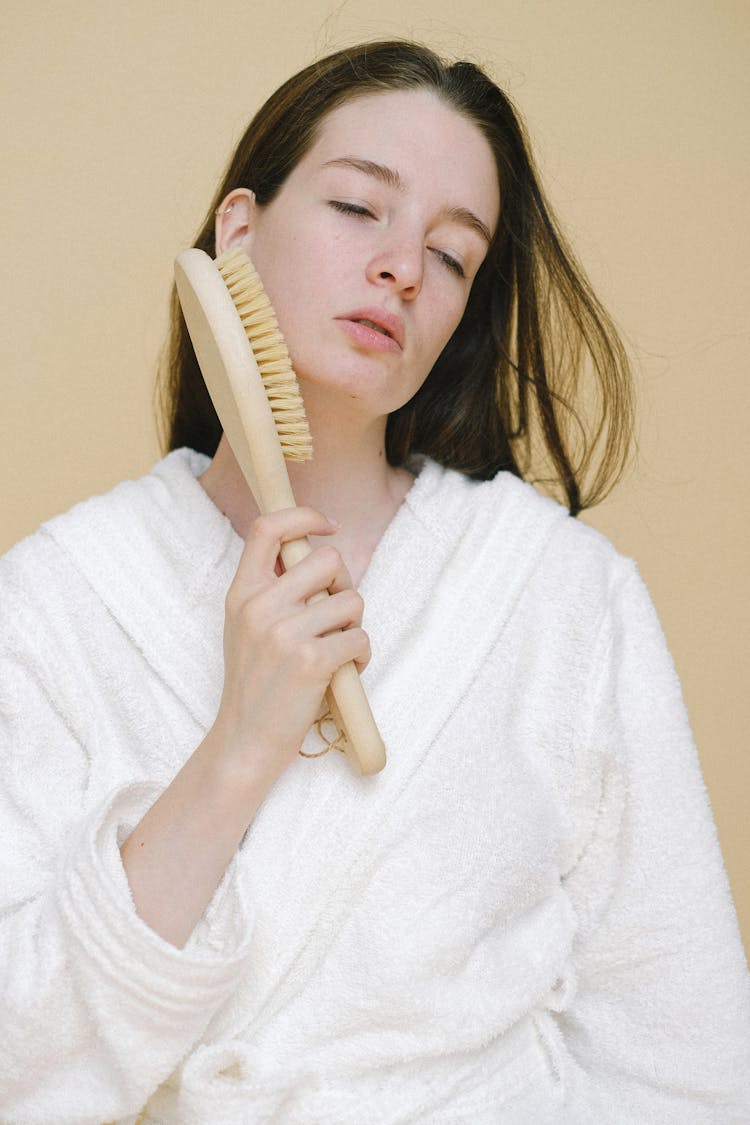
[{"x": 523, "y": 920}]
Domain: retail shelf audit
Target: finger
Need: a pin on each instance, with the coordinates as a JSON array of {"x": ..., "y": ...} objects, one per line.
[
  {"x": 260, "y": 602},
  {"x": 339, "y": 648},
  {"x": 319, "y": 658},
  {"x": 322, "y": 570},
  {"x": 342, "y": 580},
  {"x": 269, "y": 531},
  {"x": 341, "y": 611}
]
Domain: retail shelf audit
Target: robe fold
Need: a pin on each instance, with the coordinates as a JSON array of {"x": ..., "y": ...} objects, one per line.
[{"x": 523, "y": 919}]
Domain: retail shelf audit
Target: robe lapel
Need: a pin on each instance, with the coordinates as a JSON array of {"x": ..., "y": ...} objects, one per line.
[
  {"x": 160, "y": 557},
  {"x": 441, "y": 587}
]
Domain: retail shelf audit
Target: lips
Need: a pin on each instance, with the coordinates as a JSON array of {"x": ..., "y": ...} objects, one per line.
[{"x": 379, "y": 320}]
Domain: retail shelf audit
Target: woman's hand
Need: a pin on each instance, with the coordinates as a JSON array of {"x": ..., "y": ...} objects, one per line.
[{"x": 280, "y": 652}]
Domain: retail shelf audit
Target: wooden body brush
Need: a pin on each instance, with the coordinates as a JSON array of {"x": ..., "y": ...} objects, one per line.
[{"x": 249, "y": 376}]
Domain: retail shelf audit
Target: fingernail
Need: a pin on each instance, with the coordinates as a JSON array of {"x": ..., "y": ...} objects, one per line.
[{"x": 333, "y": 523}]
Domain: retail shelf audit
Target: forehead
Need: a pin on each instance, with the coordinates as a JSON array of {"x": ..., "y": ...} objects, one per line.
[{"x": 421, "y": 137}]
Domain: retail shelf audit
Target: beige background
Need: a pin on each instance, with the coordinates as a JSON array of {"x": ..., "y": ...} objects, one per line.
[{"x": 118, "y": 118}]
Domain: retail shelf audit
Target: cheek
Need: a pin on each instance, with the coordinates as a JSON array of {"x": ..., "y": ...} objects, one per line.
[
  {"x": 283, "y": 276},
  {"x": 297, "y": 294},
  {"x": 445, "y": 320}
]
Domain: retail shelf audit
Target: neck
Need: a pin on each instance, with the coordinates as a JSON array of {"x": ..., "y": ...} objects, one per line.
[{"x": 348, "y": 479}]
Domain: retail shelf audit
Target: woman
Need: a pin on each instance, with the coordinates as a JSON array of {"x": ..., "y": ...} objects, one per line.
[{"x": 525, "y": 917}]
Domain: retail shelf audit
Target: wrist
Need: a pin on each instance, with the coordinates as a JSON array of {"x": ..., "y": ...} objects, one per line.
[{"x": 240, "y": 771}]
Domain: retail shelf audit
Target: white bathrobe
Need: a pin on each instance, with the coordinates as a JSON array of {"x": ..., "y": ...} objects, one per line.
[{"x": 524, "y": 919}]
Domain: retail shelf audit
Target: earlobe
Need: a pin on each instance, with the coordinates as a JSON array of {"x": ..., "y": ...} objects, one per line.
[{"x": 234, "y": 219}]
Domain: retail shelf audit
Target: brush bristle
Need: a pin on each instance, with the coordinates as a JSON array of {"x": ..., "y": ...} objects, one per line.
[{"x": 269, "y": 349}]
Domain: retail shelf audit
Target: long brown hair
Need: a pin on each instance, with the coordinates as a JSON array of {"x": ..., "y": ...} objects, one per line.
[{"x": 535, "y": 379}]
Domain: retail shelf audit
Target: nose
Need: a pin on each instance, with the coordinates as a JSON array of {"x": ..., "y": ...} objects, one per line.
[{"x": 398, "y": 266}]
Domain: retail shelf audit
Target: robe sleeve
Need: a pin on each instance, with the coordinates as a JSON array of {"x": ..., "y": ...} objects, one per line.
[
  {"x": 657, "y": 1027},
  {"x": 97, "y": 1010}
]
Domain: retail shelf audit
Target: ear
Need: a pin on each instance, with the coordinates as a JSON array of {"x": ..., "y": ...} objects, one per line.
[{"x": 234, "y": 219}]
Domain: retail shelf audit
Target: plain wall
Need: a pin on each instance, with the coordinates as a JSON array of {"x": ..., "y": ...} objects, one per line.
[{"x": 117, "y": 122}]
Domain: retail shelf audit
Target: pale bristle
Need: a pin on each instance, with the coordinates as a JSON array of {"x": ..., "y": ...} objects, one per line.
[{"x": 270, "y": 351}]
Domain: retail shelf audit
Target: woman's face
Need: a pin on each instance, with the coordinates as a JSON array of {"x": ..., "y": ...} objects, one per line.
[{"x": 369, "y": 250}]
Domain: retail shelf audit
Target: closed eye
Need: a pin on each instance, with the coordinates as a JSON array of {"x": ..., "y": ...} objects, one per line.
[
  {"x": 350, "y": 208},
  {"x": 450, "y": 263},
  {"x": 358, "y": 209}
]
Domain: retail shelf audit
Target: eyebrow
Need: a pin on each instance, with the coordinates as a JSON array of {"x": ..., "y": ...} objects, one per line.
[{"x": 391, "y": 178}]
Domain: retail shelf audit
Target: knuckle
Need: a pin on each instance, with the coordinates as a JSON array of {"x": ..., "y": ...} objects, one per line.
[
  {"x": 308, "y": 659},
  {"x": 238, "y": 604},
  {"x": 278, "y": 636},
  {"x": 247, "y": 619},
  {"x": 357, "y": 603},
  {"x": 362, "y": 639},
  {"x": 350, "y": 604},
  {"x": 263, "y": 527},
  {"x": 251, "y": 614},
  {"x": 329, "y": 557}
]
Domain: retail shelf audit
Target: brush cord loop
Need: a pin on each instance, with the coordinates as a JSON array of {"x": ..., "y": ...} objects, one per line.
[{"x": 336, "y": 743}]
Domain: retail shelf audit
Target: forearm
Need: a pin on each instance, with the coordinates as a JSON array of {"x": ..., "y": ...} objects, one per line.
[
  {"x": 178, "y": 853},
  {"x": 279, "y": 655}
]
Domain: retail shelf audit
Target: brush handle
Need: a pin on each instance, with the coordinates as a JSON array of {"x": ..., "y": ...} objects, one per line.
[
  {"x": 345, "y": 696},
  {"x": 234, "y": 382}
]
